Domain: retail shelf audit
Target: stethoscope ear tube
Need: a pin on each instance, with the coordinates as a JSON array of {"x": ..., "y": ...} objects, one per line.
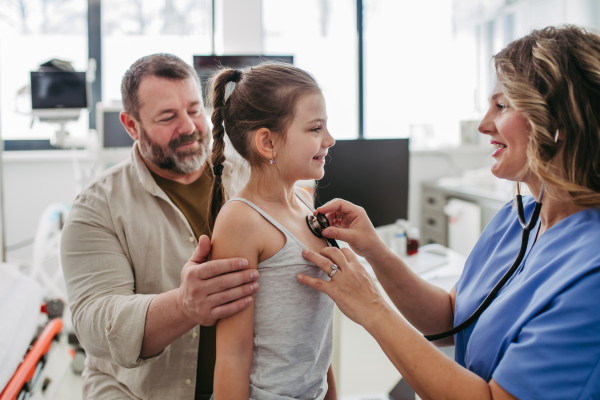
[{"x": 490, "y": 297}]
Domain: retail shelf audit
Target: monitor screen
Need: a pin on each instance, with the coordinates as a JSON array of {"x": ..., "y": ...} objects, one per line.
[
  {"x": 370, "y": 173},
  {"x": 114, "y": 134},
  {"x": 206, "y": 65},
  {"x": 58, "y": 90}
]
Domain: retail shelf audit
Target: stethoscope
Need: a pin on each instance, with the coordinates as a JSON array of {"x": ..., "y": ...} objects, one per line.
[
  {"x": 316, "y": 226},
  {"x": 319, "y": 222},
  {"x": 527, "y": 227}
]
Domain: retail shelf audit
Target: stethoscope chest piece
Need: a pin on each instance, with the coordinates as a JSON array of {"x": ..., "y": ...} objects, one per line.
[{"x": 316, "y": 224}]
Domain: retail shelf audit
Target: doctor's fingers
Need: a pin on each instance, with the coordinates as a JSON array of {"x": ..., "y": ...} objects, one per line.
[
  {"x": 319, "y": 284},
  {"x": 325, "y": 260},
  {"x": 345, "y": 259},
  {"x": 348, "y": 235},
  {"x": 337, "y": 205}
]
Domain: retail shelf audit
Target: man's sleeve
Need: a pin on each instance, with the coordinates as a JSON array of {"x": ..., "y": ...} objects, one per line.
[
  {"x": 108, "y": 317},
  {"x": 557, "y": 354}
]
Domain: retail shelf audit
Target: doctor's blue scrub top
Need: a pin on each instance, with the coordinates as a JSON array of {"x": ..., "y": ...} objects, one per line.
[{"x": 540, "y": 337}]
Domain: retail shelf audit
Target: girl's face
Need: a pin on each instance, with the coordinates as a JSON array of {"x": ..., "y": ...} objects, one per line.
[
  {"x": 509, "y": 133},
  {"x": 302, "y": 154}
]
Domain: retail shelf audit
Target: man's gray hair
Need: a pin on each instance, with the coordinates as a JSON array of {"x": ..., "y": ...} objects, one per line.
[{"x": 161, "y": 65}]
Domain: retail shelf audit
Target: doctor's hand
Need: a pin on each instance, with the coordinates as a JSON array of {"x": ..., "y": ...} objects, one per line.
[
  {"x": 351, "y": 287},
  {"x": 211, "y": 290},
  {"x": 350, "y": 223}
]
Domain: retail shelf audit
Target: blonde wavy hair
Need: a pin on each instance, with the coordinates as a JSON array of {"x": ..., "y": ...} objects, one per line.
[{"x": 552, "y": 76}]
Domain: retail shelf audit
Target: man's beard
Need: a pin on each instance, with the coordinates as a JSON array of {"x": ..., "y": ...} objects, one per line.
[{"x": 168, "y": 158}]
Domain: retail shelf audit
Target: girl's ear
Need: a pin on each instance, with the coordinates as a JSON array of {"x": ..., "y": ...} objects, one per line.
[{"x": 263, "y": 138}]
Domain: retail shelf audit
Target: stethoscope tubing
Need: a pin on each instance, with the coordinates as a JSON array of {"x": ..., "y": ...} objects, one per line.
[{"x": 527, "y": 227}]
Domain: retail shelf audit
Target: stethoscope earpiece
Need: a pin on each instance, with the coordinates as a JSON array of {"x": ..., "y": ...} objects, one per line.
[{"x": 317, "y": 225}]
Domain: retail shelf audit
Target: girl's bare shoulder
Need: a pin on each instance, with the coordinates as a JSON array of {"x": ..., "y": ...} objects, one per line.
[{"x": 237, "y": 217}]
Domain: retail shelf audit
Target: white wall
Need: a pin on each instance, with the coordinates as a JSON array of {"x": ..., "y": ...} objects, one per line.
[
  {"x": 238, "y": 27},
  {"x": 32, "y": 181}
]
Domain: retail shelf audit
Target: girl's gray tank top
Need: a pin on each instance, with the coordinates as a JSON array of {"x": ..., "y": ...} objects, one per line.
[{"x": 293, "y": 325}]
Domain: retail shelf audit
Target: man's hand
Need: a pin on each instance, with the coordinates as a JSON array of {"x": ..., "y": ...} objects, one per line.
[{"x": 211, "y": 290}]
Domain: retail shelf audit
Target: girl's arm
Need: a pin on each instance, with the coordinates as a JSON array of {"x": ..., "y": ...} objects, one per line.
[
  {"x": 234, "y": 235},
  {"x": 331, "y": 390}
]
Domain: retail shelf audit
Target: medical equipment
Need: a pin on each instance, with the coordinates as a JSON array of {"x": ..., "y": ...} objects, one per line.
[
  {"x": 23, "y": 371},
  {"x": 205, "y": 65},
  {"x": 316, "y": 226},
  {"x": 371, "y": 173},
  {"x": 527, "y": 227},
  {"x": 110, "y": 130}
]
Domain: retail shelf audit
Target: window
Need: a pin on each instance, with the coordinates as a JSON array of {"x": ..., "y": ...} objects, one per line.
[
  {"x": 420, "y": 74},
  {"x": 132, "y": 29},
  {"x": 31, "y": 33},
  {"x": 322, "y": 37}
]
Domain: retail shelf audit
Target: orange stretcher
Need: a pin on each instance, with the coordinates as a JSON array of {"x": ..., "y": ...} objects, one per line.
[{"x": 26, "y": 377}]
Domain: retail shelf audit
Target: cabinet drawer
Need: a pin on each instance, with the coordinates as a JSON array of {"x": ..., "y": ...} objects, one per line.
[
  {"x": 428, "y": 236},
  {"x": 434, "y": 221},
  {"x": 433, "y": 200}
]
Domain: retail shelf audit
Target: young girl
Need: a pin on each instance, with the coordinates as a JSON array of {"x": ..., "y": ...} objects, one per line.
[{"x": 281, "y": 346}]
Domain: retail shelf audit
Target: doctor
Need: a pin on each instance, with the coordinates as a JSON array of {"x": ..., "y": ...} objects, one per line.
[{"x": 540, "y": 337}]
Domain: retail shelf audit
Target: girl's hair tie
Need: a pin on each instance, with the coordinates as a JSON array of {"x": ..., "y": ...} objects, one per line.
[
  {"x": 218, "y": 169},
  {"x": 237, "y": 74}
]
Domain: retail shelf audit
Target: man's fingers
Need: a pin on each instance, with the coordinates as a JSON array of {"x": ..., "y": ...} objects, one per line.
[
  {"x": 202, "y": 250},
  {"x": 230, "y": 309},
  {"x": 210, "y": 269},
  {"x": 314, "y": 283},
  {"x": 231, "y": 295},
  {"x": 229, "y": 281}
]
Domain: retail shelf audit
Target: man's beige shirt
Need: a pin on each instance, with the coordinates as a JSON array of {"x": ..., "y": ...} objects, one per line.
[{"x": 124, "y": 242}]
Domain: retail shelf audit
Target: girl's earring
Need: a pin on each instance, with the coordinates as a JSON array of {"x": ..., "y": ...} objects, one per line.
[{"x": 272, "y": 160}]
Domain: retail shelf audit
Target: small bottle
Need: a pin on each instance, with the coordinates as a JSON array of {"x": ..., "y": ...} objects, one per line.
[
  {"x": 400, "y": 238},
  {"x": 413, "y": 241}
]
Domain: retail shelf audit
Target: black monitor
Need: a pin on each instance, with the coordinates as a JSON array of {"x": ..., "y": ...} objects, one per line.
[
  {"x": 111, "y": 131},
  {"x": 50, "y": 90},
  {"x": 370, "y": 173},
  {"x": 206, "y": 65}
]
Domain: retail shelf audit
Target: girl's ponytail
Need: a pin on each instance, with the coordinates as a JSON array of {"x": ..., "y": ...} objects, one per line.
[{"x": 217, "y": 96}]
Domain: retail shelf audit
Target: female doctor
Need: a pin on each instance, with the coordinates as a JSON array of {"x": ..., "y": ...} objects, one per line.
[{"x": 540, "y": 336}]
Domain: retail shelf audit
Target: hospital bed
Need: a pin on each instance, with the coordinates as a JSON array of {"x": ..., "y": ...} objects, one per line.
[{"x": 29, "y": 328}]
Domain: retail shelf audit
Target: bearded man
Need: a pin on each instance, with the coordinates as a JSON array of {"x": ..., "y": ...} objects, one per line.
[{"x": 143, "y": 310}]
